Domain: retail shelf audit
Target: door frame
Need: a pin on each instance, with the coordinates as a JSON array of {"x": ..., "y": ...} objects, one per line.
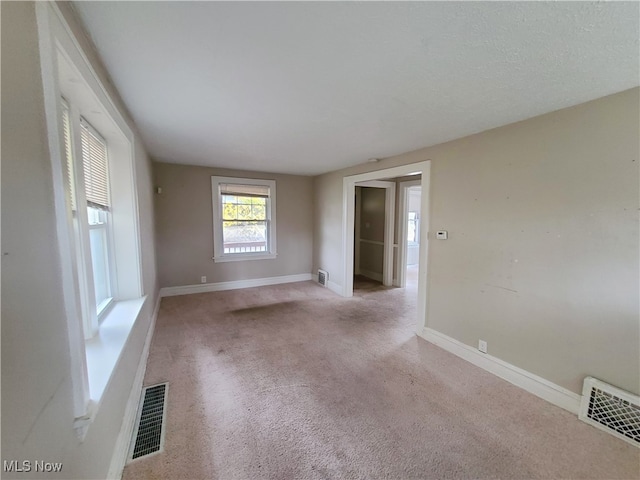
[
  {"x": 389, "y": 227},
  {"x": 348, "y": 224},
  {"x": 401, "y": 264}
]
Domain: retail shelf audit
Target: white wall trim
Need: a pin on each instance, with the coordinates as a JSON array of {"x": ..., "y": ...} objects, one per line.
[
  {"x": 236, "y": 284},
  {"x": 46, "y": 20},
  {"x": 528, "y": 381},
  {"x": 401, "y": 265},
  {"x": 271, "y": 209},
  {"x": 334, "y": 287},
  {"x": 372, "y": 275},
  {"x": 373, "y": 242},
  {"x": 348, "y": 229},
  {"x": 121, "y": 449}
]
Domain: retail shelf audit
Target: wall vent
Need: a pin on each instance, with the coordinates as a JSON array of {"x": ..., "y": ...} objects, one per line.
[
  {"x": 611, "y": 409},
  {"x": 323, "y": 278},
  {"x": 148, "y": 436}
]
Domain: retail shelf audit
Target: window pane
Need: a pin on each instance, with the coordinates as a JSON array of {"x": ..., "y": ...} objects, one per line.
[
  {"x": 244, "y": 212},
  {"x": 244, "y": 236},
  {"x": 411, "y": 232},
  {"x": 229, "y": 211},
  {"x": 99, "y": 262},
  {"x": 412, "y": 228},
  {"x": 243, "y": 208}
]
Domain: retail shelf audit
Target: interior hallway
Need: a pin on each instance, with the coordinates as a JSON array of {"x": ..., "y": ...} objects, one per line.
[{"x": 293, "y": 381}]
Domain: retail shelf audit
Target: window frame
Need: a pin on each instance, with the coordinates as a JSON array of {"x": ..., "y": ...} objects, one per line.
[
  {"x": 218, "y": 243},
  {"x": 103, "y": 308},
  {"x": 66, "y": 72},
  {"x": 93, "y": 313}
]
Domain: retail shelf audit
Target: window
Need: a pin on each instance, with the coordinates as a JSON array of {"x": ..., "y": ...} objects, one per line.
[
  {"x": 96, "y": 185},
  {"x": 413, "y": 228},
  {"x": 93, "y": 153},
  {"x": 88, "y": 184},
  {"x": 244, "y": 219}
]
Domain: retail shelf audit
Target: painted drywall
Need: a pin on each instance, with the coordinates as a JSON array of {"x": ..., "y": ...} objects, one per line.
[
  {"x": 372, "y": 214},
  {"x": 184, "y": 227},
  {"x": 372, "y": 228},
  {"x": 542, "y": 258},
  {"x": 37, "y": 417}
]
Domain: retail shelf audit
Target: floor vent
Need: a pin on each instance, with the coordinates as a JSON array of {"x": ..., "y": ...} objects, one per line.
[
  {"x": 611, "y": 409},
  {"x": 323, "y": 277},
  {"x": 148, "y": 436}
]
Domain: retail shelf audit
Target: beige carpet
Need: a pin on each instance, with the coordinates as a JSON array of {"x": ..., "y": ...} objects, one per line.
[{"x": 292, "y": 381}]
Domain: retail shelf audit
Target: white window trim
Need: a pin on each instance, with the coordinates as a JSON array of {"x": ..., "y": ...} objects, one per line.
[
  {"x": 93, "y": 313},
  {"x": 218, "y": 248},
  {"x": 89, "y": 372}
]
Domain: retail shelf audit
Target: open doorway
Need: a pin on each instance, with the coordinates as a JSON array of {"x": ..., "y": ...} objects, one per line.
[
  {"x": 373, "y": 261},
  {"x": 349, "y": 234}
]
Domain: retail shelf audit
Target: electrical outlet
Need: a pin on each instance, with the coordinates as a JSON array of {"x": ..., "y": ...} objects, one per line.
[
  {"x": 482, "y": 346},
  {"x": 203, "y": 279}
]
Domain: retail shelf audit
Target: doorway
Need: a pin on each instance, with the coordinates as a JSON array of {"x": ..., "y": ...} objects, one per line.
[
  {"x": 374, "y": 231},
  {"x": 348, "y": 229}
]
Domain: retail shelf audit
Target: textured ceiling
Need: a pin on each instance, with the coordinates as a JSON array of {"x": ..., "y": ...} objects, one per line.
[{"x": 308, "y": 88}]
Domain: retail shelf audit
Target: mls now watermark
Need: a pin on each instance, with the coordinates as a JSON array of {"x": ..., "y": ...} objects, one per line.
[{"x": 29, "y": 466}]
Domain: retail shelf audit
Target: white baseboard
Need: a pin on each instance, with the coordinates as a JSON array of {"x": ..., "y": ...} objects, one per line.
[
  {"x": 335, "y": 288},
  {"x": 530, "y": 382},
  {"x": 372, "y": 275},
  {"x": 121, "y": 450},
  {"x": 233, "y": 285}
]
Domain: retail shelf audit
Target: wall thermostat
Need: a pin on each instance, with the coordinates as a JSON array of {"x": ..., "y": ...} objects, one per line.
[{"x": 441, "y": 235}]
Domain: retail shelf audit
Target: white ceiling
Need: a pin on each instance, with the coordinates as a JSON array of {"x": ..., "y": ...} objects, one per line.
[{"x": 308, "y": 88}]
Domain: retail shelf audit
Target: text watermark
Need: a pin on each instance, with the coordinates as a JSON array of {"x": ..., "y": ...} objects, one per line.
[{"x": 31, "y": 466}]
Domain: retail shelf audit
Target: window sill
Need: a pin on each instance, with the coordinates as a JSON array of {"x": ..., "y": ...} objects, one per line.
[
  {"x": 245, "y": 256},
  {"x": 104, "y": 308},
  {"x": 103, "y": 350}
]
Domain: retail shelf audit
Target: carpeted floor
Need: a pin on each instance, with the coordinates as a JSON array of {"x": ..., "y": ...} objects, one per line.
[{"x": 293, "y": 381}]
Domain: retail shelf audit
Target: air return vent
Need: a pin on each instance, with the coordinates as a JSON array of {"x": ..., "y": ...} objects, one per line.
[
  {"x": 148, "y": 436},
  {"x": 323, "y": 277},
  {"x": 611, "y": 409}
]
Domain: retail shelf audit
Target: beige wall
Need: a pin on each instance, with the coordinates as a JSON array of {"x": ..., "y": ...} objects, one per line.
[
  {"x": 184, "y": 227},
  {"x": 372, "y": 215},
  {"x": 37, "y": 417},
  {"x": 542, "y": 257}
]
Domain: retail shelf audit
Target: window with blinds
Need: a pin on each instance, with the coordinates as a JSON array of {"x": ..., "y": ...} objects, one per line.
[
  {"x": 94, "y": 162},
  {"x": 96, "y": 187},
  {"x": 244, "y": 218},
  {"x": 91, "y": 232}
]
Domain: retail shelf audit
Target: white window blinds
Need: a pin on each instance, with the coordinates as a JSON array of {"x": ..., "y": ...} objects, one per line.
[
  {"x": 244, "y": 190},
  {"x": 94, "y": 162}
]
